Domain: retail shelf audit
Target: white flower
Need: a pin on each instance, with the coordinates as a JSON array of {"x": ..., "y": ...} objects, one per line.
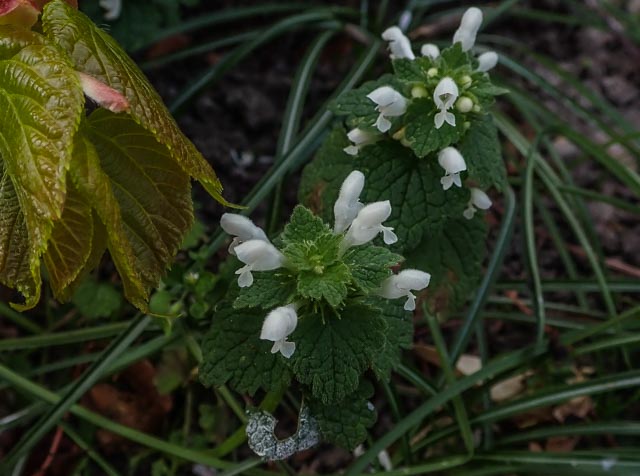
[
  {"x": 478, "y": 200},
  {"x": 257, "y": 255},
  {"x": 487, "y": 61},
  {"x": 112, "y": 8},
  {"x": 242, "y": 229},
  {"x": 403, "y": 283},
  {"x": 348, "y": 203},
  {"x": 399, "y": 44},
  {"x": 469, "y": 26},
  {"x": 368, "y": 223},
  {"x": 359, "y": 138},
  {"x": 277, "y": 326},
  {"x": 385, "y": 460},
  {"x": 453, "y": 163},
  {"x": 430, "y": 50},
  {"x": 445, "y": 96},
  {"x": 390, "y": 103}
]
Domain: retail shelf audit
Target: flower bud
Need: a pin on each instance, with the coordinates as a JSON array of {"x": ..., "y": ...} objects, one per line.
[
  {"x": 103, "y": 94},
  {"x": 368, "y": 223},
  {"x": 360, "y": 138},
  {"x": 469, "y": 26},
  {"x": 390, "y": 103},
  {"x": 257, "y": 255},
  {"x": 478, "y": 200},
  {"x": 348, "y": 203},
  {"x": 430, "y": 51},
  {"x": 453, "y": 163},
  {"x": 464, "y": 104},
  {"x": 487, "y": 61},
  {"x": 277, "y": 326},
  {"x": 403, "y": 283},
  {"x": 399, "y": 44},
  {"x": 242, "y": 229},
  {"x": 445, "y": 96}
]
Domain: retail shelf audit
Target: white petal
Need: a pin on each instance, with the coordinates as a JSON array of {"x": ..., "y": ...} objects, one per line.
[
  {"x": 469, "y": 212},
  {"x": 399, "y": 44},
  {"x": 113, "y": 9},
  {"x": 487, "y": 61},
  {"x": 351, "y": 150},
  {"x": 360, "y": 137},
  {"x": 383, "y": 96},
  {"x": 450, "y": 118},
  {"x": 446, "y": 182},
  {"x": 242, "y": 227},
  {"x": 388, "y": 236},
  {"x": 430, "y": 50},
  {"x": 413, "y": 279},
  {"x": 469, "y": 26},
  {"x": 279, "y": 323},
  {"x": 456, "y": 180},
  {"x": 446, "y": 93},
  {"x": 262, "y": 256},
  {"x": 277, "y": 345},
  {"x": 245, "y": 279},
  {"x": 382, "y": 123},
  {"x": 348, "y": 205},
  {"x": 438, "y": 119},
  {"x": 451, "y": 160},
  {"x": 480, "y": 199},
  {"x": 287, "y": 349},
  {"x": 410, "y": 303},
  {"x": 367, "y": 223}
]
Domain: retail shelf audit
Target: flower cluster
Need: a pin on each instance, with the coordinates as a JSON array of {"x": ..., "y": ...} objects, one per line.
[
  {"x": 356, "y": 224},
  {"x": 450, "y": 88}
]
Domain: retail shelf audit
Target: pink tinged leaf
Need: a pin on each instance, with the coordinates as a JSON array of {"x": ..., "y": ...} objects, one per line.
[
  {"x": 22, "y": 13},
  {"x": 103, "y": 94}
]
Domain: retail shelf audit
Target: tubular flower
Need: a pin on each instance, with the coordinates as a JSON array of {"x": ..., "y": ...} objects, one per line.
[
  {"x": 487, "y": 61},
  {"x": 453, "y": 163},
  {"x": 257, "y": 255},
  {"x": 390, "y": 103},
  {"x": 368, "y": 223},
  {"x": 403, "y": 283},
  {"x": 430, "y": 50},
  {"x": 399, "y": 44},
  {"x": 445, "y": 96},
  {"x": 478, "y": 200},
  {"x": 348, "y": 203},
  {"x": 242, "y": 229},
  {"x": 112, "y": 8},
  {"x": 468, "y": 29},
  {"x": 359, "y": 138},
  {"x": 277, "y": 326}
]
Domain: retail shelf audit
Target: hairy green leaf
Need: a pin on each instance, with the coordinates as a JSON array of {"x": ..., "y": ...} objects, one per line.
[
  {"x": 370, "y": 265},
  {"x": 333, "y": 351},
  {"x": 94, "y": 299},
  {"x": 483, "y": 155},
  {"x": 398, "y": 336},
  {"x": 41, "y": 103},
  {"x": 421, "y": 133},
  {"x": 346, "y": 424},
  {"x": 233, "y": 352},
  {"x": 303, "y": 226},
  {"x": 269, "y": 290},
  {"x": 95, "y": 53},
  {"x": 330, "y": 284}
]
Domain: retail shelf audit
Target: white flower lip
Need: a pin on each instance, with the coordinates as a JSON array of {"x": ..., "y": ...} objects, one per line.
[
  {"x": 403, "y": 283},
  {"x": 468, "y": 29},
  {"x": 399, "y": 44},
  {"x": 478, "y": 200},
  {"x": 430, "y": 50},
  {"x": 257, "y": 255},
  {"x": 242, "y": 229},
  {"x": 390, "y": 103},
  {"x": 445, "y": 96},
  {"x": 277, "y": 326},
  {"x": 487, "y": 61},
  {"x": 348, "y": 203},
  {"x": 360, "y": 138},
  {"x": 368, "y": 223},
  {"x": 453, "y": 163}
]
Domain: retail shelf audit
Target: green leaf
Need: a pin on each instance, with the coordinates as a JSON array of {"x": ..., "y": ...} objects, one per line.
[
  {"x": 70, "y": 245},
  {"x": 303, "y": 225},
  {"x": 41, "y": 103},
  {"x": 233, "y": 352},
  {"x": 269, "y": 290},
  {"x": 482, "y": 153},
  {"x": 94, "y": 299},
  {"x": 370, "y": 265},
  {"x": 346, "y": 424},
  {"x": 421, "y": 133},
  {"x": 454, "y": 258},
  {"x": 330, "y": 284},
  {"x": 95, "y": 53},
  {"x": 333, "y": 351},
  {"x": 399, "y": 335},
  {"x": 412, "y": 71},
  {"x": 140, "y": 194},
  {"x": 453, "y": 57},
  {"x": 420, "y": 207}
]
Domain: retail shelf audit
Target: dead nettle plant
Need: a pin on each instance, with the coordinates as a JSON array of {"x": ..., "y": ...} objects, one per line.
[
  {"x": 75, "y": 184},
  {"x": 324, "y": 307}
]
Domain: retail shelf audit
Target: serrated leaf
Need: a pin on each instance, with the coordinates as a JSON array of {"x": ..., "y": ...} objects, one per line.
[
  {"x": 412, "y": 71},
  {"x": 482, "y": 153},
  {"x": 268, "y": 291},
  {"x": 40, "y": 108},
  {"x": 303, "y": 225},
  {"x": 346, "y": 424},
  {"x": 233, "y": 352},
  {"x": 453, "y": 57},
  {"x": 94, "y": 299},
  {"x": 421, "y": 133},
  {"x": 69, "y": 247},
  {"x": 398, "y": 336},
  {"x": 313, "y": 254},
  {"x": 330, "y": 285},
  {"x": 454, "y": 258},
  {"x": 95, "y": 53},
  {"x": 370, "y": 265},
  {"x": 419, "y": 205},
  {"x": 332, "y": 352}
]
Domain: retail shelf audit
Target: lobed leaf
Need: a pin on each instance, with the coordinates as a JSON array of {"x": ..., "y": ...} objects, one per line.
[
  {"x": 421, "y": 133},
  {"x": 482, "y": 153},
  {"x": 268, "y": 291},
  {"x": 370, "y": 265}
]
